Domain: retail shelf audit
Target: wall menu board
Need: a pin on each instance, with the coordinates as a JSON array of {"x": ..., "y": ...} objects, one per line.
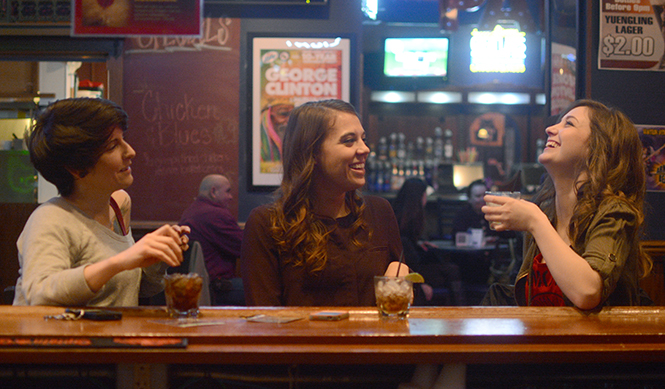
[{"x": 182, "y": 98}]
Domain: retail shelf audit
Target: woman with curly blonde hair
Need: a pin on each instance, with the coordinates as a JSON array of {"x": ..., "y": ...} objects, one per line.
[
  {"x": 320, "y": 242},
  {"x": 583, "y": 227}
]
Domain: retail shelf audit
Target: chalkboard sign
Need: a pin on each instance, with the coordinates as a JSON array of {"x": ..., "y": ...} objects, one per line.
[{"x": 182, "y": 98}]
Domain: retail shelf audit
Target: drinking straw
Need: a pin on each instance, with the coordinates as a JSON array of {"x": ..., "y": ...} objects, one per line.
[
  {"x": 519, "y": 178},
  {"x": 401, "y": 259}
]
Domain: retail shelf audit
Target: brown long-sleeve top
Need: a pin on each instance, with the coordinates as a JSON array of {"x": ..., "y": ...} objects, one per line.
[{"x": 348, "y": 276}]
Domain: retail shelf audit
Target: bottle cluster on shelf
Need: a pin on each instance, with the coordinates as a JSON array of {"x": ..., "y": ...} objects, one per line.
[{"x": 396, "y": 159}]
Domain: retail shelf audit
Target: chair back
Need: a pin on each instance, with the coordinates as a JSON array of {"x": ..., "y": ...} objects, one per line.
[
  {"x": 197, "y": 265},
  {"x": 8, "y": 295}
]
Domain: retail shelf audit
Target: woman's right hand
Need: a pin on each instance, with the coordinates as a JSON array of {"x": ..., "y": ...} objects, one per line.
[
  {"x": 162, "y": 245},
  {"x": 166, "y": 244},
  {"x": 511, "y": 214}
]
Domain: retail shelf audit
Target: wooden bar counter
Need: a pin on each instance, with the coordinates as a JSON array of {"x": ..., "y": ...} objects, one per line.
[
  {"x": 470, "y": 335},
  {"x": 429, "y": 335}
]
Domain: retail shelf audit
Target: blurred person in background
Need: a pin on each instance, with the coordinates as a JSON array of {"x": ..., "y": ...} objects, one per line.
[
  {"x": 217, "y": 230},
  {"x": 419, "y": 255}
]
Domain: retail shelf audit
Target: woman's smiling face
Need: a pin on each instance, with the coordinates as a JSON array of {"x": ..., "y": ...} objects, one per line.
[
  {"x": 568, "y": 141},
  {"x": 341, "y": 160},
  {"x": 112, "y": 171}
]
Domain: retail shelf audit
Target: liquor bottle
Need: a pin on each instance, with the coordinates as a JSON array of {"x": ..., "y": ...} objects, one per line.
[
  {"x": 420, "y": 149},
  {"x": 387, "y": 176},
  {"x": 401, "y": 146},
  {"x": 382, "y": 152},
  {"x": 540, "y": 147},
  {"x": 378, "y": 184},
  {"x": 438, "y": 145},
  {"x": 392, "y": 147},
  {"x": 448, "y": 146},
  {"x": 410, "y": 151},
  {"x": 429, "y": 148},
  {"x": 430, "y": 166},
  {"x": 371, "y": 172}
]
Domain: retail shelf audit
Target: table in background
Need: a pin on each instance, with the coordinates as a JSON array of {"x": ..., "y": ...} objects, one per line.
[
  {"x": 476, "y": 264},
  {"x": 471, "y": 335}
]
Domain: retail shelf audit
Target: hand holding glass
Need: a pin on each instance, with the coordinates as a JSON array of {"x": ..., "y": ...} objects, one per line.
[{"x": 514, "y": 195}]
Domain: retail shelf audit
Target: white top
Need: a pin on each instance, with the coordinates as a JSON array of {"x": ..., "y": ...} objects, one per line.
[{"x": 56, "y": 244}]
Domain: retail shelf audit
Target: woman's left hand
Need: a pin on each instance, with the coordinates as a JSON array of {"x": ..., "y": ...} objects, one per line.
[{"x": 392, "y": 269}]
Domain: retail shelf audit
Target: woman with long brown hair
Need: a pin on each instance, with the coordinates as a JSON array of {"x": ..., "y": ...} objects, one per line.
[
  {"x": 582, "y": 242},
  {"x": 320, "y": 242}
]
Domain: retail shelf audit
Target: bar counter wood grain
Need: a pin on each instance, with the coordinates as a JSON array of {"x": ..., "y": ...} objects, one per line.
[{"x": 471, "y": 335}]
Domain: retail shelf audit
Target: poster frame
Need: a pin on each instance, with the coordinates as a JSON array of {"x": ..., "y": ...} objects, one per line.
[
  {"x": 653, "y": 146},
  {"x": 184, "y": 19},
  {"x": 257, "y": 179}
]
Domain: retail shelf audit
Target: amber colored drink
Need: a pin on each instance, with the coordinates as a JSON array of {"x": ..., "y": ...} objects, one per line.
[{"x": 182, "y": 292}]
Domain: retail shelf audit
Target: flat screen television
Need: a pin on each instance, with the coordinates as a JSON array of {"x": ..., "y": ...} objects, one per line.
[{"x": 416, "y": 57}]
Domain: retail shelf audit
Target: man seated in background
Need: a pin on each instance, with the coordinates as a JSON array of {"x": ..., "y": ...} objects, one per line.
[
  {"x": 217, "y": 230},
  {"x": 470, "y": 216},
  {"x": 475, "y": 264}
]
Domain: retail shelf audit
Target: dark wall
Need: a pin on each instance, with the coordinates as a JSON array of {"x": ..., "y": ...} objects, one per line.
[
  {"x": 188, "y": 124},
  {"x": 338, "y": 17},
  {"x": 641, "y": 95}
]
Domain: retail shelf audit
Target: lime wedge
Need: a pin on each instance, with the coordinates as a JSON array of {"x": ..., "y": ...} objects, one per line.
[{"x": 416, "y": 278}]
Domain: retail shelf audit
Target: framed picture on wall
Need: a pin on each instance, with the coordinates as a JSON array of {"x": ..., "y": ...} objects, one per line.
[
  {"x": 285, "y": 73},
  {"x": 181, "y": 18},
  {"x": 653, "y": 152}
]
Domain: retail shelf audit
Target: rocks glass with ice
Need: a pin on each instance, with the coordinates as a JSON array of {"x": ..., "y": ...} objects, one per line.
[
  {"x": 393, "y": 296},
  {"x": 182, "y": 292}
]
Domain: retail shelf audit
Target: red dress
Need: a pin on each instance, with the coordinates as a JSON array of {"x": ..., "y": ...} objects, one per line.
[{"x": 544, "y": 290}]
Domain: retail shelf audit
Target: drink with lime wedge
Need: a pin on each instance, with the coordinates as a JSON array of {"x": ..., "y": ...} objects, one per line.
[{"x": 393, "y": 296}]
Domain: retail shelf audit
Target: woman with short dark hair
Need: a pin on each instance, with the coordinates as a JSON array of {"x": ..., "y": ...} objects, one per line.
[{"x": 77, "y": 249}]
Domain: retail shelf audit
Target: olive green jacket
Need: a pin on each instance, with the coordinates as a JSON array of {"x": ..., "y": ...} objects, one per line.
[{"x": 609, "y": 248}]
